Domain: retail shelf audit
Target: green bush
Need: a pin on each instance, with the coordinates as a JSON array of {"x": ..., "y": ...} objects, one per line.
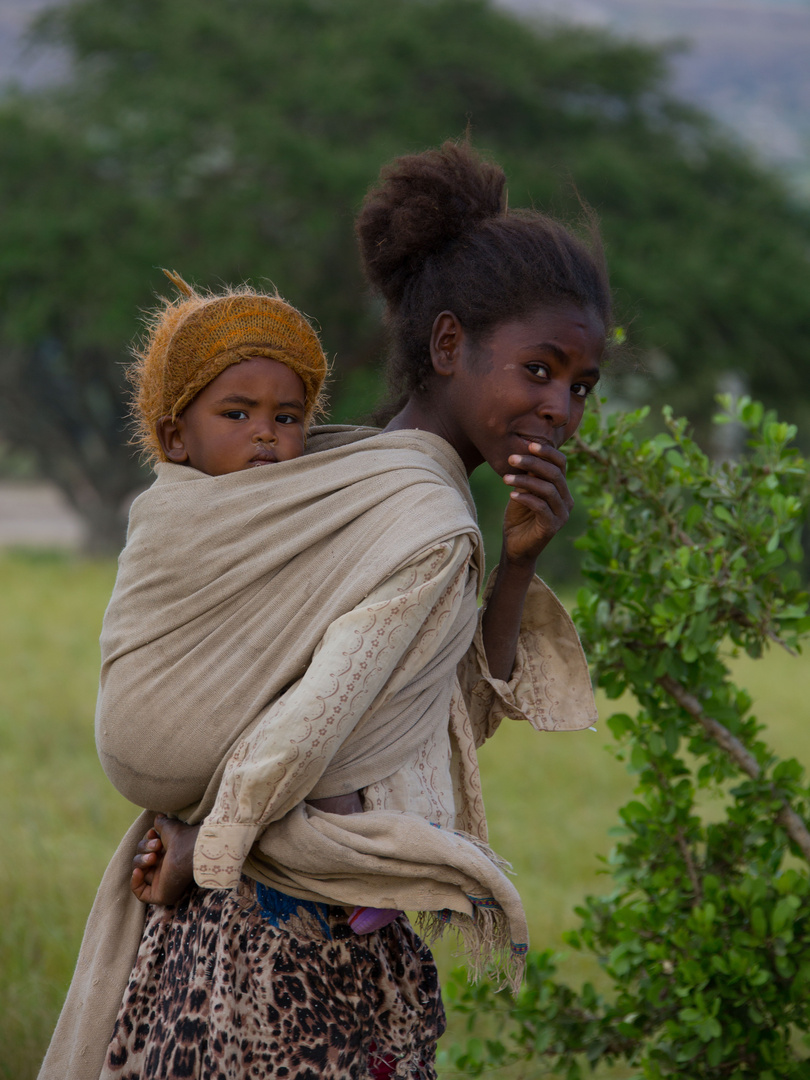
[{"x": 705, "y": 938}]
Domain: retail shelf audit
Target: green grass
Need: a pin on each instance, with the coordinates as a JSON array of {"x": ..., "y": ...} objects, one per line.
[
  {"x": 60, "y": 818},
  {"x": 550, "y": 798}
]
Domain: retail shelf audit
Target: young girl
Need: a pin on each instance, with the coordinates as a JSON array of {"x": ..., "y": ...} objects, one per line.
[{"x": 363, "y": 574}]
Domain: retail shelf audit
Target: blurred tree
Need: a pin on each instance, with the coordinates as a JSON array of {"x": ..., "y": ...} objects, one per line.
[{"x": 234, "y": 139}]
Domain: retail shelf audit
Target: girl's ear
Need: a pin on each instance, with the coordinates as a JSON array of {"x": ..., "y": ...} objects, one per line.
[
  {"x": 170, "y": 438},
  {"x": 445, "y": 343}
]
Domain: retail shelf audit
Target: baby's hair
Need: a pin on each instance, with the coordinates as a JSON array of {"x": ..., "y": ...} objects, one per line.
[
  {"x": 191, "y": 339},
  {"x": 436, "y": 235}
]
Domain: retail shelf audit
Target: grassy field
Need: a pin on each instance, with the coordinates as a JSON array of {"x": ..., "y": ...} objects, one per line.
[{"x": 550, "y": 798}]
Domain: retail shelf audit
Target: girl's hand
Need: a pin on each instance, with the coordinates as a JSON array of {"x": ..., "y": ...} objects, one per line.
[
  {"x": 540, "y": 502},
  {"x": 164, "y": 867}
]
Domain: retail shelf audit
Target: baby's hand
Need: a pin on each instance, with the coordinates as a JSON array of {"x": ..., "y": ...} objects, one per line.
[{"x": 163, "y": 868}]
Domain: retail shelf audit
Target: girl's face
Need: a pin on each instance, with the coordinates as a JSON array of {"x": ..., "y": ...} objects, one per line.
[
  {"x": 252, "y": 414},
  {"x": 525, "y": 382}
]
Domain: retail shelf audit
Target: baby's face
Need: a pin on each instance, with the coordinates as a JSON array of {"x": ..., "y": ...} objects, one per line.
[{"x": 252, "y": 414}]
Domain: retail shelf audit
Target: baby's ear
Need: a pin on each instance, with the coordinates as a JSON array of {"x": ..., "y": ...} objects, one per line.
[{"x": 171, "y": 440}]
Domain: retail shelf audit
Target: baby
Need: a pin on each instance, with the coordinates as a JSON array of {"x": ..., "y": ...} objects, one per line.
[{"x": 225, "y": 382}]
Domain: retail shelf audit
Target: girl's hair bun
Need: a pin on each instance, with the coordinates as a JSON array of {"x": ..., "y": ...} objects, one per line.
[
  {"x": 435, "y": 235},
  {"x": 422, "y": 203}
]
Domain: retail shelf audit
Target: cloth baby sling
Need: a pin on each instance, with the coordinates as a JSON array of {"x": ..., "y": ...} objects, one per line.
[{"x": 269, "y": 561}]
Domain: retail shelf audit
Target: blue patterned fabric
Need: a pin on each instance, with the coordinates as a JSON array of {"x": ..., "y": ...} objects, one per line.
[{"x": 277, "y": 908}]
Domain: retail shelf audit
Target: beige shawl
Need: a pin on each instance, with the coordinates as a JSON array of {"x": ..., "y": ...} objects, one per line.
[{"x": 225, "y": 591}]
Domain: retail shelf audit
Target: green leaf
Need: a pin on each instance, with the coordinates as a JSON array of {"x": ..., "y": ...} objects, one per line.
[
  {"x": 671, "y": 738},
  {"x": 620, "y": 724},
  {"x": 635, "y": 811},
  {"x": 638, "y": 758},
  {"x": 656, "y": 744}
]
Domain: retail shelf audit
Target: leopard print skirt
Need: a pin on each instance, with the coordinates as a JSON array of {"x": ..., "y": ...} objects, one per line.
[{"x": 254, "y": 984}]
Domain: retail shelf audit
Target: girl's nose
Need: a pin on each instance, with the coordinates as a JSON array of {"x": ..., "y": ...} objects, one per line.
[{"x": 555, "y": 406}]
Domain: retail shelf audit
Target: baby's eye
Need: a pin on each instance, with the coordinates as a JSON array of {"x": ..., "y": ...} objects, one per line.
[
  {"x": 236, "y": 414},
  {"x": 287, "y": 418}
]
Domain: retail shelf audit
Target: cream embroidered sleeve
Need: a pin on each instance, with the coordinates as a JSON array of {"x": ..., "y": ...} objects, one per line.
[
  {"x": 550, "y": 685},
  {"x": 364, "y": 658}
]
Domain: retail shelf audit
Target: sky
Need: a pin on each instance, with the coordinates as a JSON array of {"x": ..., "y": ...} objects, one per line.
[{"x": 746, "y": 61}]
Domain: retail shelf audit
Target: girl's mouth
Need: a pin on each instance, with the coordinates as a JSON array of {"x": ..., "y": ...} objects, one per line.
[{"x": 541, "y": 440}]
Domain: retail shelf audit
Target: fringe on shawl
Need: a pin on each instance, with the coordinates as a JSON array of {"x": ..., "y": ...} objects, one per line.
[
  {"x": 485, "y": 935},
  {"x": 487, "y": 944}
]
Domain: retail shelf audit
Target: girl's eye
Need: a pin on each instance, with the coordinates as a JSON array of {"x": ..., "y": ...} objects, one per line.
[
  {"x": 286, "y": 418},
  {"x": 236, "y": 414},
  {"x": 536, "y": 368},
  {"x": 581, "y": 389}
]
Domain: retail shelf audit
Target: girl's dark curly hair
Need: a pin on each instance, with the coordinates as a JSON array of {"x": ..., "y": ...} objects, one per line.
[{"x": 435, "y": 235}]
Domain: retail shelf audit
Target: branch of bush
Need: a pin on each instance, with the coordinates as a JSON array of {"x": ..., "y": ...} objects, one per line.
[{"x": 787, "y": 816}]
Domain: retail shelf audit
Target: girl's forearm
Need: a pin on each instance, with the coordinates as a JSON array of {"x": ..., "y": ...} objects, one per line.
[{"x": 500, "y": 625}]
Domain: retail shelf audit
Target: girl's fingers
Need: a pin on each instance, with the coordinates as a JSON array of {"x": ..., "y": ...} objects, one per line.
[
  {"x": 140, "y": 879},
  {"x": 538, "y": 484},
  {"x": 559, "y": 502},
  {"x": 142, "y": 862},
  {"x": 545, "y": 458},
  {"x": 542, "y": 472},
  {"x": 541, "y": 509},
  {"x": 149, "y": 842},
  {"x": 548, "y": 473}
]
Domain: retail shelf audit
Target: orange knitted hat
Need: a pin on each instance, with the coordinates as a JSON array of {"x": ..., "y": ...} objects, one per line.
[{"x": 193, "y": 338}]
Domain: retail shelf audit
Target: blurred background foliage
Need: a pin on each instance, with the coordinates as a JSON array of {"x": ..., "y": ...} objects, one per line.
[{"x": 234, "y": 139}]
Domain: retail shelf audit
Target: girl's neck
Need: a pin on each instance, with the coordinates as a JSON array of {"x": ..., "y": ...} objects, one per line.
[
  {"x": 421, "y": 413},
  {"x": 414, "y": 417}
]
